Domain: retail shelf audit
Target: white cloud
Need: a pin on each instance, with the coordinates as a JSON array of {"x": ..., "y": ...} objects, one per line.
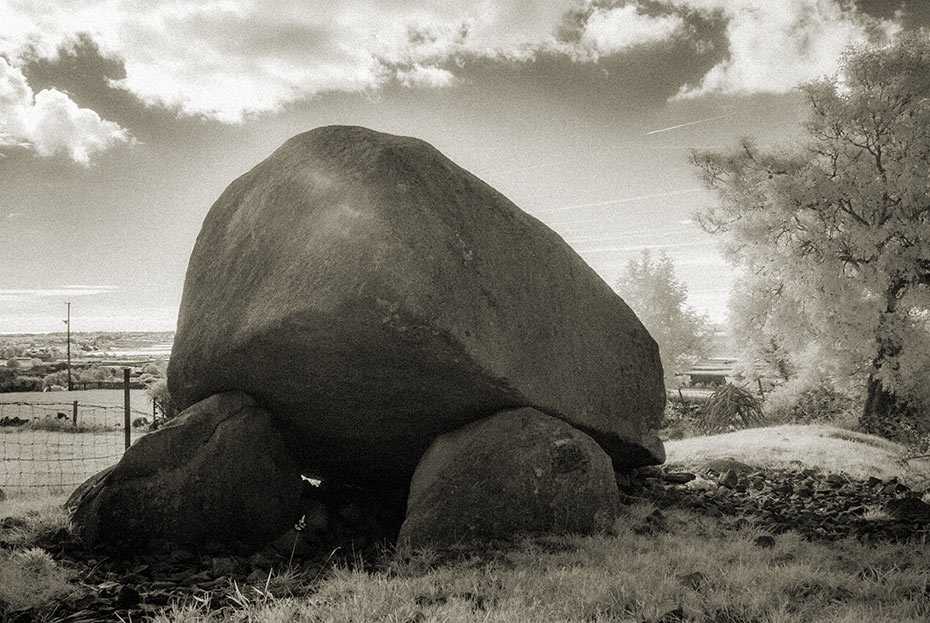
[
  {"x": 420, "y": 76},
  {"x": 24, "y": 295},
  {"x": 49, "y": 122},
  {"x": 608, "y": 31},
  {"x": 228, "y": 59},
  {"x": 773, "y": 46}
]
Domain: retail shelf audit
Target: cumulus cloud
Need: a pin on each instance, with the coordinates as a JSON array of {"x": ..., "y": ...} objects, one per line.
[
  {"x": 229, "y": 59},
  {"x": 420, "y": 76},
  {"x": 49, "y": 122},
  {"x": 773, "y": 46},
  {"x": 608, "y": 31}
]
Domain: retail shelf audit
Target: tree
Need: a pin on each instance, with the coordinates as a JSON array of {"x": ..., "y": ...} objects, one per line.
[
  {"x": 159, "y": 395},
  {"x": 651, "y": 289},
  {"x": 838, "y": 228}
]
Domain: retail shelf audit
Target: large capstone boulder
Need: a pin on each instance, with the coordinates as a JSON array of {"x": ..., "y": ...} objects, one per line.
[
  {"x": 518, "y": 472},
  {"x": 373, "y": 295},
  {"x": 221, "y": 473}
]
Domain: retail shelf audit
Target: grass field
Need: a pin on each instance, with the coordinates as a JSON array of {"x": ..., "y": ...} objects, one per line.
[
  {"x": 49, "y": 452},
  {"x": 138, "y": 399},
  {"x": 55, "y": 460}
]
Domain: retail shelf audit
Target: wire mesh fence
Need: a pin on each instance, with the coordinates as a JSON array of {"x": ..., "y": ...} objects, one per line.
[{"x": 59, "y": 445}]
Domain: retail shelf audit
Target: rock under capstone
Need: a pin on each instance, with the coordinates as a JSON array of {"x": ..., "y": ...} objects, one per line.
[
  {"x": 517, "y": 472},
  {"x": 373, "y": 295},
  {"x": 220, "y": 472}
]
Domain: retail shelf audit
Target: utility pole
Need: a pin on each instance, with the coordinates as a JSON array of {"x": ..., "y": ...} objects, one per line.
[{"x": 68, "y": 323}]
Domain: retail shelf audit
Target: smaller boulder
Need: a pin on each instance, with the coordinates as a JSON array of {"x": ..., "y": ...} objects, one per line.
[
  {"x": 221, "y": 472},
  {"x": 517, "y": 472}
]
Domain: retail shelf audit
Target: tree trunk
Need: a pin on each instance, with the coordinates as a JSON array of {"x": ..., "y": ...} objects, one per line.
[{"x": 885, "y": 414}]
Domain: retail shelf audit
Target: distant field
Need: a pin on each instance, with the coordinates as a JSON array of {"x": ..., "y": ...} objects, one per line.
[
  {"x": 106, "y": 397},
  {"x": 55, "y": 460},
  {"x": 60, "y": 459},
  {"x": 95, "y": 406}
]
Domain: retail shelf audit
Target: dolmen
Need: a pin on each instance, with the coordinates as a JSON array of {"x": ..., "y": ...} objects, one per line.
[{"x": 361, "y": 311}]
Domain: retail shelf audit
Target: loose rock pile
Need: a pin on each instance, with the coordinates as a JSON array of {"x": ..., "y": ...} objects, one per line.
[{"x": 818, "y": 506}]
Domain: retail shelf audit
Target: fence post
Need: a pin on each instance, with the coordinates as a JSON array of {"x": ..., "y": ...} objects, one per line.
[
  {"x": 761, "y": 393},
  {"x": 681, "y": 396},
  {"x": 74, "y": 414},
  {"x": 126, "y": 423}
]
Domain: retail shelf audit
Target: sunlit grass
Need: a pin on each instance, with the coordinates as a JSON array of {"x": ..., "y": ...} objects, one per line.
[
  {"x": 710, "y": 574},
  {"x": 816, "y": 446}
]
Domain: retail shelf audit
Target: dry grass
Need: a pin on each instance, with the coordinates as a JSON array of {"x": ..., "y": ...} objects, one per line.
[
  {"x": 29, "y": 578},
  {"x": 709, "y": 574},
  {"x": 697, "y": 566},
  {"x": 794, "y": 446}
]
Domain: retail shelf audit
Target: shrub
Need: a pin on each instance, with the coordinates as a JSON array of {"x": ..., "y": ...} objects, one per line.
[
  {"x": 56, "y": 378},
  {"x": 731, "y": 408},
  {"x": 159, "y": 394},
  {"x": 810, "y": 404}
]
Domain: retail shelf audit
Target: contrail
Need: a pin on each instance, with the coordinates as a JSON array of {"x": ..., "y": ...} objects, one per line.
[
  {"x": 670, "y": 193},
  {"x": 685, "y": 125}
]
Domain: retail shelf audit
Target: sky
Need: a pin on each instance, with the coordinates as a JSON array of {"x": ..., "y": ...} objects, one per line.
[{"x": 122, "y": 121}]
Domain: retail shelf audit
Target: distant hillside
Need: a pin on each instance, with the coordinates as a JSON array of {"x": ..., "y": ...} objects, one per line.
[{"x": 53, "y": 346}]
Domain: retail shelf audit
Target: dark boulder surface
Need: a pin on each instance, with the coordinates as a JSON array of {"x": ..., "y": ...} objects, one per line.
[
  {"x": 517, "y": 472},
  {"x": 221, "y": 472},
  {"x": 373, "y": 295}
]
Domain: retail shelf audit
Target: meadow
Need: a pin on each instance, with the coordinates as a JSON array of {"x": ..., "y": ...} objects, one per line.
[{"x": 49, "y": 451}]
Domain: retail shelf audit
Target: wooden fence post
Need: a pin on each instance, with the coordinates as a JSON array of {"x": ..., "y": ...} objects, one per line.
[
  {"x": 761, "y": 393},
  {"x": 74, "y": 414},
  {"x": 126, "y": 423}
]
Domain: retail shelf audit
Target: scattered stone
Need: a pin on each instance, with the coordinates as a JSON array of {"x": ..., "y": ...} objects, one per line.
[
  {"x": 514, "y": 473},
  {"x": 729, "y": 480},
  {"x": 8, "y": 523},
  {"x": 408, "y": 298},
  {"x": 127, "y": 597},
  {"x": 221, "y": 471},
  {"x": 180, "y": 557},
  {"x": 764, "y": 541},
  {"x": 700, "y": 484},
  {"x": 909, "y": 509},
  {"x": 223, "y": 566},
  {"x": 678, "y": 478}
]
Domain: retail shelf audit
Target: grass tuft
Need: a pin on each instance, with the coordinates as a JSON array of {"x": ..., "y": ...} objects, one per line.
[
  {"x": 30, "y": 578},
  {"x": 731, "y": 408}
]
